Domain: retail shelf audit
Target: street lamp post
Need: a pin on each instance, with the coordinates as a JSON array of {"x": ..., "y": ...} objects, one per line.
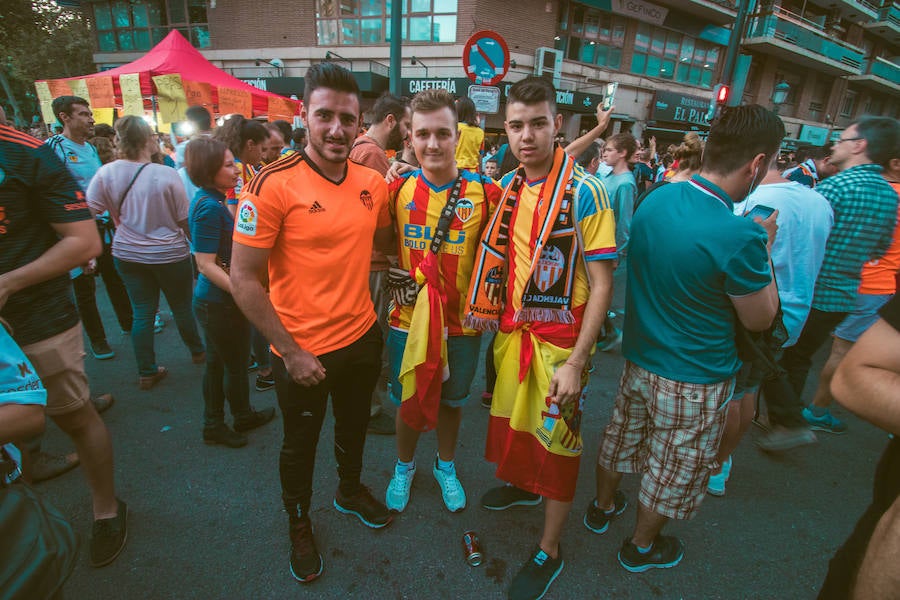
[{"x": 780, "y": 94}]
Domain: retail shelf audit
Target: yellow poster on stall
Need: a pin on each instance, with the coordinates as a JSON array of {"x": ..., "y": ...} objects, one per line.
[
  {"x": 103, "y": 115},
  {"x": 79, "y": 88},
  {"x": 132, "y": 100},
  {"x": 46, "y": 101},
  {"x": 171, "y": 100}
]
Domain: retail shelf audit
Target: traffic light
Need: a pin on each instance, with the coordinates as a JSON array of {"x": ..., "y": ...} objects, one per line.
[{"x": 718, "y": 101}]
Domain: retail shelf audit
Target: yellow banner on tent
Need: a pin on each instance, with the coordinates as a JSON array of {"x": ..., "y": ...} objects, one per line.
[
  {"x": 132, "y": 101},
  {"x": 171, "y": 100},
  {"x": 46, "y": 101},
  {"x": 79, "y": 88},
  {"x": 103, "y": 115}
]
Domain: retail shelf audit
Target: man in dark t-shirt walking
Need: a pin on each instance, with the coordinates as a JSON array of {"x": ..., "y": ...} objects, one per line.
[{"x": 46, "y": 229}]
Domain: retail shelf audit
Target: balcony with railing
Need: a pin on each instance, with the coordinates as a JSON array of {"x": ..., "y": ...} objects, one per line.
[
  {"x": 790, "y": 37},
  {"x": 720, "y": 12},
  {"x": 880, "y": 74},
  {"x": 887, "y": 25}
]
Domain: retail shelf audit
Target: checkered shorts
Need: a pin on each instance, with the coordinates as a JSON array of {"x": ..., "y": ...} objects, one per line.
[{"x": 668, "y": 431}]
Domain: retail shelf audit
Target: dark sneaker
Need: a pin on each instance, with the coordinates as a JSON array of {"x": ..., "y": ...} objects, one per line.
[
  {"x": 222, "y": 434},
  {"x": 264, "y": 383},
  {"x": 256, "y": 418},
  {"x": 667, "y": 551},
  {"x": 382, "y": 424},
  {"x": 507, "y": 496},
  {"x": 252, "y": 365},
  {"x": 108, "y": 537},
  {"x": 103, "y": 402},
  {"x": 46, "y": 466},
  {"x": 597, "y": 520},
  {"x": 101, "y": 350},
  {"x": 365, "y": 507},
  {"x": 147, "y": 382},
  {"x": 610, "y": 341},
  {"x": 306, "y": 562},
  {"x": 487, "y": 398},
  {"x": 534, "y": 578}
]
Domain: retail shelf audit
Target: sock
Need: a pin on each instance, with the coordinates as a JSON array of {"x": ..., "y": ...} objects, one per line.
[
  {"x": 644, "y": 550},
  {"x": 447, "y": 466},
  {"x": 818, "y": 411},
  {"x": 406, "y": 466}
]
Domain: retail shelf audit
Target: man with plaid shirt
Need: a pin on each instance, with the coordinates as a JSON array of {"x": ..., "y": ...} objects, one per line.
[
  {"x": 865, "y": 213},
  {"x": 696, "y": 270}
]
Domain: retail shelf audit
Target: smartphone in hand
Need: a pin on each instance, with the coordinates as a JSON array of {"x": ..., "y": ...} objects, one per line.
[
  {"x": 610, "y": 96},
  {"x": 763, "y": 212}
]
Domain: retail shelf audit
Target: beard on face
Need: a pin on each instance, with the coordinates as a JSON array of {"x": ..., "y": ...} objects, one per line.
[{"x": 395, "y": 140}]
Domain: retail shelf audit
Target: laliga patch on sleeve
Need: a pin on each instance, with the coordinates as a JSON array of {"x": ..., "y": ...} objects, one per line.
[{"x": 247, "y": 218}]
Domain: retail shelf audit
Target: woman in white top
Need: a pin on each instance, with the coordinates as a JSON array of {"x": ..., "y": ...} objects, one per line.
[{"x": 151, "y": 247}]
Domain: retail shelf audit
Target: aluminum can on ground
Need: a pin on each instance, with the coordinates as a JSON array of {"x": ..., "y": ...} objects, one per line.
[{"x": 472, "y": 548}]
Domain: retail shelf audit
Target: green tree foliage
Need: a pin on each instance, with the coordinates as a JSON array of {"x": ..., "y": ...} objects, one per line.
[{"x": 40, "y": 40}]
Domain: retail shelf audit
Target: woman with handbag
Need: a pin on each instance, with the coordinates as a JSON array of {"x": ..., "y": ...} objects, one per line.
[
  {"x": 211, "y": 166},
  {"x": 151, "y": 248}
]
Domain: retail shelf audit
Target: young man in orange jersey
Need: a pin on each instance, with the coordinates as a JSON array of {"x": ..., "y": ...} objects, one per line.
[
  {"x": 544, "y": 280},
  {"x": 438, "y": 274},
  {"x": 308, "y": 221}
]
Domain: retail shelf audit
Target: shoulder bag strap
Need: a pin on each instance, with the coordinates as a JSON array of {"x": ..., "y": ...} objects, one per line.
[
  {"x": 443, "y": 226},
  {"x": 128, "y": 189}
]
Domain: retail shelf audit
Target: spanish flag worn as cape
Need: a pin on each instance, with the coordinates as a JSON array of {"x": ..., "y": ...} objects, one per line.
[{"x": 424, "y": 366}]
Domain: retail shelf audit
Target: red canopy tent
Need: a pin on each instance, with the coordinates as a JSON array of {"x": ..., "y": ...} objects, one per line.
[{"x": 174, "y": 54}]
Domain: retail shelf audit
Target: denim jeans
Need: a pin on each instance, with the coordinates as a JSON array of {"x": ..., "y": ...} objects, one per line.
[
  {"x": 350, "y": 377},
  {"x": 227, "y": 334},
  {"x": 144, "y": 282}
]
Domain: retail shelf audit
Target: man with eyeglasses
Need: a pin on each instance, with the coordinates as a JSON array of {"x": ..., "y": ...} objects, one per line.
[{"x": 865, "y": 213}]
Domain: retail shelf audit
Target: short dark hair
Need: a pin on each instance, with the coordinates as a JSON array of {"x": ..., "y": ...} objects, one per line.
[
  {"x": 624, "y": 141},
  {"x": 882, "y": 135},
  {"x": 200, "y": 117},
  {"x": 298, "y": 136},
  {"x": 64, "y": 104},
  {"x": 389, "y": 104},
  {"x": 466, "y": 113},
  {"x": 203, "y": 157},
  {"x": 492, "y": 160},
  {"x": 590, "y": 153},
  {"x": 432, "y": 100},
  {"x": 533, "y": 90},
  {"x": 814, "y": 152},
  {"x": 739, "y": 134},
  {"x": 284, "y": 127},
  {"x": 328, "y": 75},
  {"x": 104, "y": 130}
]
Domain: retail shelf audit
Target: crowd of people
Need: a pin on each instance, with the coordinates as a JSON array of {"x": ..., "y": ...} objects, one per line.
[{"x": 337, "y": 273}]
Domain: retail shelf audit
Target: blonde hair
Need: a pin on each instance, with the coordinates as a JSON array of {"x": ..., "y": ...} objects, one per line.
[
  {"x": 133, "y": 133},
  {"x": 689, "y": 152}
]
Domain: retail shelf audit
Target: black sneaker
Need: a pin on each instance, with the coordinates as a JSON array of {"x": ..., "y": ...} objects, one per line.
[
  {"x": 306, "y": 562},
  {"x": 597, "y": 520},
  {"x": 108, "y": 537},
  {"x": 486, "y": 399},
  {"x": 667, "y": 551},
  {"x": 101, "y": 350},
  {"x": 264, "y": 383},
  {"x": 534, "y": 578},
  {"x": 507, "y": 496},
  {"x": 256, "y": 418},
  {"x": 223, "y": 434},
  {"x": 365, "y": 507}
]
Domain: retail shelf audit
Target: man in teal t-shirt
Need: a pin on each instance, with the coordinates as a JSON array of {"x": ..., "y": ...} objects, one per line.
[{"x": 694, "y": 269}]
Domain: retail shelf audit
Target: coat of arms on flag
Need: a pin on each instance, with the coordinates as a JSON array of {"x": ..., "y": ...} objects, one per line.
[
  {"x": 464, "y": 209},
  {"x": 493, "y": 285},
  {"x": 549, "y": 269}
]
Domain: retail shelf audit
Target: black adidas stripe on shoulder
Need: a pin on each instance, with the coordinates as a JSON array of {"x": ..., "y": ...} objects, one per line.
[{"x": 275, "y": 167}]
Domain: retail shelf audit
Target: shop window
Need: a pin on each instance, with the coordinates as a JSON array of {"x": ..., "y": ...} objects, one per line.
[
  {"x": 137, "y": 25},
  {"x": 367, "y": 22}
]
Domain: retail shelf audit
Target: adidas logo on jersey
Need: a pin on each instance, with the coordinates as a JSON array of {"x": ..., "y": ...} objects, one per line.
[
  {"x": 316, "y": 208},
  {"x": 411, "y": 205}
]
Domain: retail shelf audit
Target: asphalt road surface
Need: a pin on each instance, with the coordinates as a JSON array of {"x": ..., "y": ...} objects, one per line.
[{"x": 207, "y": 523}]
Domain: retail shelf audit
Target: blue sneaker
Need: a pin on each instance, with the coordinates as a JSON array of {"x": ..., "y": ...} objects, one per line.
[{"x": 827, "y": 422}]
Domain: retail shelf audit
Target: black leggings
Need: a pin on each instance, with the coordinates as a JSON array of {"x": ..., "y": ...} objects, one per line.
[{"x": 351, "y": 373}]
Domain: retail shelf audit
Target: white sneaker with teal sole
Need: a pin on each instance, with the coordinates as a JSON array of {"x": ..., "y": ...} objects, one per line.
[
  {"x": 397, "y": 496},
  {"x": 451, "y": 489}
]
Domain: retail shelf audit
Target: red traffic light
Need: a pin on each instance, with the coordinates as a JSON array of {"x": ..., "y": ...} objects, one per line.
[{"x": 721, "y": 93}]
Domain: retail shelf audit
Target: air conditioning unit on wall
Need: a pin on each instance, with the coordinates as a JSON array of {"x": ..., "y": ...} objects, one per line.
[{"x": 548, "y": 60}]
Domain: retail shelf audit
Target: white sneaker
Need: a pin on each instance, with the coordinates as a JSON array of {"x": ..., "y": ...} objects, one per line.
[
  {"x": 451, "y": 489},
  {"x": 397, "y": 496}
]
